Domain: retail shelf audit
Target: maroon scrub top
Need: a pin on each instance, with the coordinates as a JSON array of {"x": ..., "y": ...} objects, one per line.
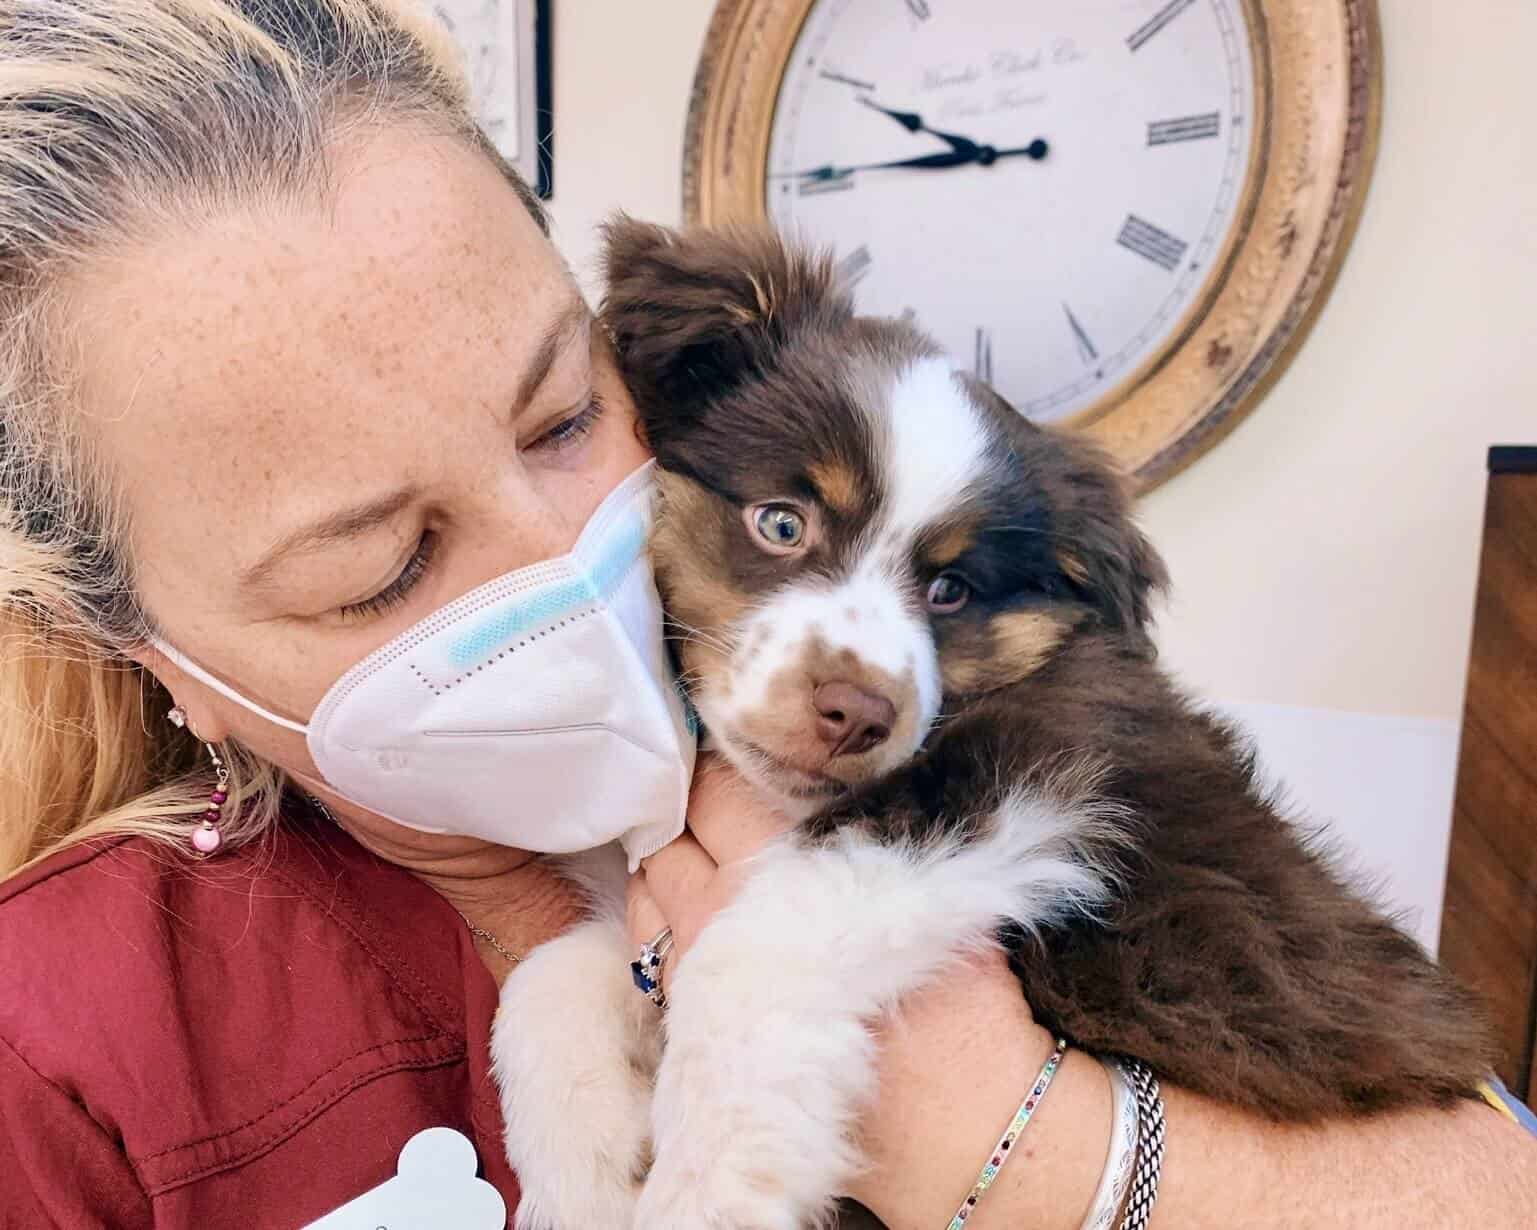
[{"x": 243, "y": 1040}]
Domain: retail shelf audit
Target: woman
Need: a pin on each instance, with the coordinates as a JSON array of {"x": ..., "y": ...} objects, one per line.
[{"x": 290, "y": 364}]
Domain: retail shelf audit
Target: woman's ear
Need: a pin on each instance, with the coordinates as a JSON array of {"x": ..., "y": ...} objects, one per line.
[
  {"x": 195, "y": 700},
  {"x": 693, "y": 313}
]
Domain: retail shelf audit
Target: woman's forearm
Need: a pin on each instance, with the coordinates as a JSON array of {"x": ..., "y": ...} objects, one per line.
[
  {"x": 1418, "y": 1170},
  {"x": 1421, "y": 1170}
]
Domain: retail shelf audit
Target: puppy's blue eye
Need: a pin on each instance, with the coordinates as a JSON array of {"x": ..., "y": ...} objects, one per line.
[
  {"x": 781, "y": 527},
  {"x": 948, "y": 593}
]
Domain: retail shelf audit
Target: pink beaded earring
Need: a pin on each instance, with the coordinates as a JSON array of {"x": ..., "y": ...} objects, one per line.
[{"x": 207, "y": 838}]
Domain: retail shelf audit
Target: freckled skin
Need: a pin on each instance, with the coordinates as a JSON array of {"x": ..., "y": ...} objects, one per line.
[{"x": 255, "y": 371}]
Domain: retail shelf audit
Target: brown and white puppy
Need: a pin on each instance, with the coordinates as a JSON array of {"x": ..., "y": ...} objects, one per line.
[{"x": 922, "y": 622}]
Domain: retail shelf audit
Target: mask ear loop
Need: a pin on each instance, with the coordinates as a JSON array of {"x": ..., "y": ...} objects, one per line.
[
  {"x": 179, "y": 659},
  {"x": 206, "y": 838}
]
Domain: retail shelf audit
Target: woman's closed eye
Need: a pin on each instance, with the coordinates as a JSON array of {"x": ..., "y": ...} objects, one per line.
[
  {"x": 570, "y": 430},
  {"x": 396, "y": 592}
]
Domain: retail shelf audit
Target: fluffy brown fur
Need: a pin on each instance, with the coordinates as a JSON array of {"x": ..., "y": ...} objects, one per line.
[{"x": 1236, "y": 960}]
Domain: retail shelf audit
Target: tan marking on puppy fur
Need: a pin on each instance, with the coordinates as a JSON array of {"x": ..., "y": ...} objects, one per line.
[
  {"x": 837, "y": 485},
  {"x": 765, "y": 297},
  {"x": 1019, "y": 643},
  {"x": 1076, "y": 571},
  {"x": 701, "y": 603},
  {"x": 952, "y": 542},
  {"x": 785, "y": 724}
]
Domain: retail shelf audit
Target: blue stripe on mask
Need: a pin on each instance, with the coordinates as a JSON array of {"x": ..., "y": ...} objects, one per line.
[
  {"x": 552, "y": 603},
  {"x": 613, "y": 565}
]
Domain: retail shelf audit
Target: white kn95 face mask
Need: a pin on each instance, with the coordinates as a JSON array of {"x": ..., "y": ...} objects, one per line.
[{"x": 538, "y": 711}]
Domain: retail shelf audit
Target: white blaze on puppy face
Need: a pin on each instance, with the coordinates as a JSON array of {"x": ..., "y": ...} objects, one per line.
[
  {"x": 863, "y": 629},
  {"x": 868, "y": 625},
  {"x": 935, "y": 446}
]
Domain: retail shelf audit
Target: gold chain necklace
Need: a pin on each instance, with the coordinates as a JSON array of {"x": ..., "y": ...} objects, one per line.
[{"x": 480, "y": 933}]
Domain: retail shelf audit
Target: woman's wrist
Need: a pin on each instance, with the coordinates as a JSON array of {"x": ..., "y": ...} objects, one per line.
[
  {"x": 955, "y": 1068},
  {"x": 961, "y": 1056}
]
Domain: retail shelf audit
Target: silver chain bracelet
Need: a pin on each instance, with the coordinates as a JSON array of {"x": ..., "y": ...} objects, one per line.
[{"x": 1150, "y": 1133}]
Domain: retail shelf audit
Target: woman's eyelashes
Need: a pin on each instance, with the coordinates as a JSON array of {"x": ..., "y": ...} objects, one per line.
[
  {"x": 396, "y": 592},
  {"x": 565, "y": 434},
  {"x": 572, "y": 429}
]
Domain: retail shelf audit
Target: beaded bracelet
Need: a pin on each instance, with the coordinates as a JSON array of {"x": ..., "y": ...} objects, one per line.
[
  {"x": 1150, "y": 1133},
  {"x": 1000, "y": 1153},
  {"x": 1122, "y": 1154}
]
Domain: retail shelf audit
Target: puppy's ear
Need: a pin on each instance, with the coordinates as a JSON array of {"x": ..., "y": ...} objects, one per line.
[
  {"x": 694, "y": 313},
  {"x": 1099, "y": 548},
  {"x": 1107, "y": 562}
]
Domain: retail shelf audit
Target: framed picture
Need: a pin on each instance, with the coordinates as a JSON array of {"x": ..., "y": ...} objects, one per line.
[{"x": 506, "y": 46}]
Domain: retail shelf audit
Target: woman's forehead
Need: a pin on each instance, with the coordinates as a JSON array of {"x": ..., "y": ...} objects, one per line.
[{"x": 321, "y": 345}]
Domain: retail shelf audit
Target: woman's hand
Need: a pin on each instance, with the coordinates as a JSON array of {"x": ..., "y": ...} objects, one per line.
[
  {"x": 682, "y": 885},
  {"x": 958, "y": 1057},
  {"x": 954, "y": 1063}
]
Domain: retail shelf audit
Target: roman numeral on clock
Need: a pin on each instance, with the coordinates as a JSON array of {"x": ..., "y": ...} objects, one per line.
[
  {"x": 1186, "y": 128},
  {"x": 1086, "y": 350},
  {"x": 830, "y": 74},
  {"x": 854, "y": 266},
  {"x": 982, "y": 364},
  {"x": 1157, "y": 245},
  {"x": 920, "y": 9},
  {"x": 1143, "y": 33},
  {"x": 813, "y": 186}
]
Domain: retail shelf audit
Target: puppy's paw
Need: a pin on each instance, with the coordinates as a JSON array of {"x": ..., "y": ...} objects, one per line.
[
  {"x": 607, "y": 1201},
  {"x": 757, "y": 1092},
  {"x": 573, "y": 1051},
  {"x": 675, "y": 1199}
]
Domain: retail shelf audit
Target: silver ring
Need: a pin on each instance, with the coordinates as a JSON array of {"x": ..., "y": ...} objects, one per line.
[{"x": 646, "y": 969}]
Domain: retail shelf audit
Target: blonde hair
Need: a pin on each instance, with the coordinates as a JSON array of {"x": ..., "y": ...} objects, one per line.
[{"x": 117, "y": 116}]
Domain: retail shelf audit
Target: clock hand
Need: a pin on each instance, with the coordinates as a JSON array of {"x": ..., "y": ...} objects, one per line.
[
  {"x": 1035, "y": 151},
  {"x": 983, "y": 155},
  {"x": 929, "y": 162},
  {"x": 913, "y": 122}
]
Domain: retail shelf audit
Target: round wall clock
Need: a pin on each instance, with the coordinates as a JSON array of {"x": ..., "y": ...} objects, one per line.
[{"x": 1122, "y": 213}]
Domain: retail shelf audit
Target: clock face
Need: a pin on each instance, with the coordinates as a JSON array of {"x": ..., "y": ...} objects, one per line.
[{"x": 1087, "y": 160}]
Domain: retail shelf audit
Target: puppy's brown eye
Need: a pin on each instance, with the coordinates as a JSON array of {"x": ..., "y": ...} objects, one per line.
[
  {"x": 781, "y": 528},
  {"x": 948, "y": 593}
]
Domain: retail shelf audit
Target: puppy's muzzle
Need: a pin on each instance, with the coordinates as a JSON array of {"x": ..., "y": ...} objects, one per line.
[{"x": 852, "y": 720}]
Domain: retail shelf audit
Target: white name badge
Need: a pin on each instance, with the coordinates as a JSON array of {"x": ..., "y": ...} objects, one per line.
[{"x": 434, "y": 1187}]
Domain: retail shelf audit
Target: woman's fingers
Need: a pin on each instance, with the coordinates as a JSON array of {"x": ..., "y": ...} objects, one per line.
[
  {"x": 679, "y": 873},
  {"x": 643, "y": 916},
  {"x": 646, "y": 922},
  {"x": 683, "y": 883},
  {"x": 730, "y": 819}
]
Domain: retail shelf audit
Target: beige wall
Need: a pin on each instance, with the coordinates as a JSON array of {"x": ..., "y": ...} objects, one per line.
[{"x": 1324, "y": 554}]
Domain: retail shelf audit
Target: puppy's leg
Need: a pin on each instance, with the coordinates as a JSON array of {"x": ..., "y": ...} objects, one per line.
[
  {"x": 769, "y": 1059},
  {"x": 574, "y": 1051}
]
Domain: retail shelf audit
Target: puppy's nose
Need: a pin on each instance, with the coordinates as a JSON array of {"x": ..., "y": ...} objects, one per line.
[{"x": 851, "y": 720}]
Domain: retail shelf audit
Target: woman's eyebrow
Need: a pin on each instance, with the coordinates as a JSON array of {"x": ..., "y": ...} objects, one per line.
[
  {"x": 340, "y": 526},
  {"x": 348, "y": 523},
  {"x": 572, "y": 319}
]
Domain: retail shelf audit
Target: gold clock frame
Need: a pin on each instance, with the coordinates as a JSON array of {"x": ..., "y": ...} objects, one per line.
[{"x": 1318, "y": 94}]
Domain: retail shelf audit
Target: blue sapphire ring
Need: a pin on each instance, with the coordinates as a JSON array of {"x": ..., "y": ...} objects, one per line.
[{"x": 646, "y": 969}]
